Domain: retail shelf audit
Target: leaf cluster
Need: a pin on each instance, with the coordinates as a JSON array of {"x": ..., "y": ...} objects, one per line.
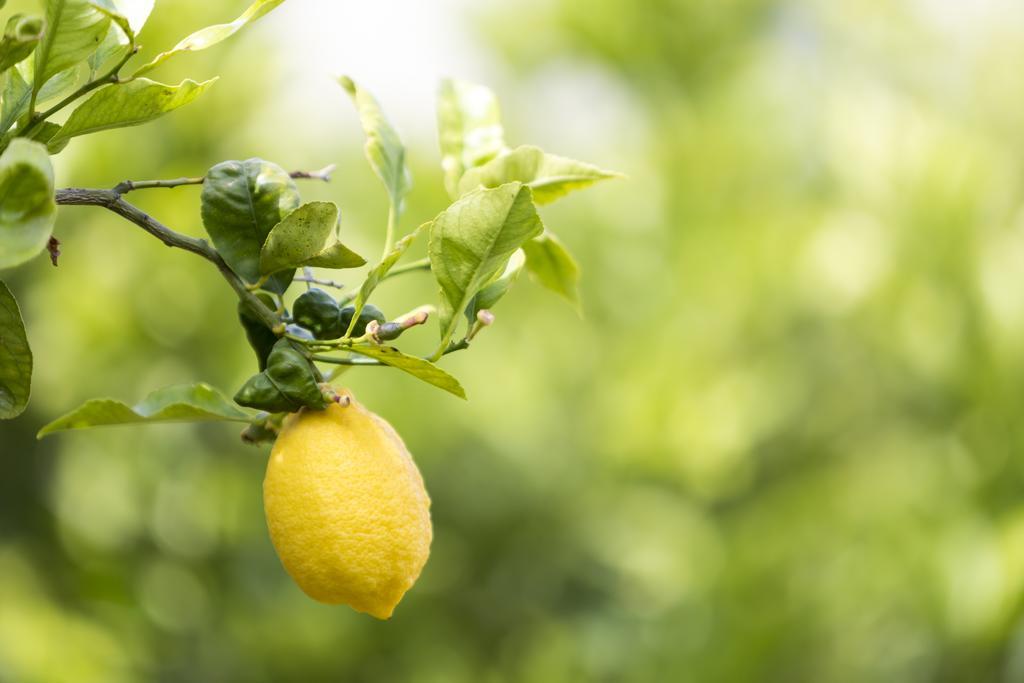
[{"x": 261, "y": 232}]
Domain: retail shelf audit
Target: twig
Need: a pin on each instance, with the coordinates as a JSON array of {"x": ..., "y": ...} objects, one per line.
[
  {"x": 111, "y": 200},
  {"x": 127, "y": 186},
  {"x": 323, "y": 174},
  {"x": 314, "y": 281}
]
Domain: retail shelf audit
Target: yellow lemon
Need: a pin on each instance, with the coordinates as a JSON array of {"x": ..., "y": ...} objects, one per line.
[{"x": 346, "y": 508}]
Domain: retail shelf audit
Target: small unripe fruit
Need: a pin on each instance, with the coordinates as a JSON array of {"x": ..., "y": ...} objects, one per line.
[{"x": 318, "y": 312}]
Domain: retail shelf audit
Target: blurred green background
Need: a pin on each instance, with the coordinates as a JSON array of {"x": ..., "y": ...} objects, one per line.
[{"x": 784, "y": 444}]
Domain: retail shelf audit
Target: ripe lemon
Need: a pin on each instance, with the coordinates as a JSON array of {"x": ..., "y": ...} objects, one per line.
[{"x": 346, "y": 508}]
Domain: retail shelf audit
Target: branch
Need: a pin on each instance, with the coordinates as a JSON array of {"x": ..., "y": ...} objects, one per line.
[{"x": 111, "y": 200}]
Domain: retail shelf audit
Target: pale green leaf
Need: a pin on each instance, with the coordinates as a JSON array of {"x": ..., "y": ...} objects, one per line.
[
  {"x": 128, "y": 17},
  {"x": 74, "y": 30},
  {"x": 20, "y": 38},
  {"x": 18, "y": 91},
  {"x": 184, "y": 403},
  {"x": 551, "y": 264},
  {"x": 378, "y": 272},
  {"x": 44, "y": 133},
  {"x": 494, "y": 290},
  {"x": 473, "y": 239},
  {"x": 549, "y": 176},
  {"x": 304, "y": 238},
  {"x": 27, "y": 207},
  {"x": 211, "y": 35},
  {"x": 129, "y": 104},
  {"x": 242, "y": 202},
  {"x": 15, "y": 358},
  {"x": 469, "y": 128},
  {"x": 415, "y": 366},
  {"x": 384, "y": 149}
]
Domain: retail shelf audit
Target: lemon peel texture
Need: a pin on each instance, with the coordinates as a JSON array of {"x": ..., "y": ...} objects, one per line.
[{"x": 346, "y": 508}]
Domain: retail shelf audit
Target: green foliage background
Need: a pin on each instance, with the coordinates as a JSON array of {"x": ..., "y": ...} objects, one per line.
[{"x": 784, "y": 444}]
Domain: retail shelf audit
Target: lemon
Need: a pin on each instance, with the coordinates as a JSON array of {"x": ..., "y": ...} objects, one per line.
[{"x": 346, "y": 508}]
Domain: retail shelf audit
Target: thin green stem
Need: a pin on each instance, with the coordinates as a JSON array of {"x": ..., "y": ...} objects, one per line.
[
  {"x": 131, "y": 185},
  {"x": 346, "y": 361},
  {"x": 127, "y": 186},
  {"x": 389, "y": 236}
]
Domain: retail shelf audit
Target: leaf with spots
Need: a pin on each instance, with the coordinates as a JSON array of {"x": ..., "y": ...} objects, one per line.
[{"x": 307, "y": 237}]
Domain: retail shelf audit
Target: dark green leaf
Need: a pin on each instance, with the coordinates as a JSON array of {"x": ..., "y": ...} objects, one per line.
[
  {"x": 384, "y": 149},
  {"x": 415, "y": 366},
  {"x": 242, "y": 201},
  {"x": 74, "y": 30},
  {"x": 378, "y": 272},
  {"x": 15, "y": 358},
  {"x": 469, "y": 127},
  {"x": 549, "y": 176},
  {"x": 260, "y": 337},
  {"x": 20, "y": 38},
  {"x": 185, "y": 403},
  {"x": 307, "y": 237},
  {"x": 27, "y": 207},
  {"x": 211, "y": 35},
  {"x": 472, "y": 240},
  {"x": 129, "y": 104},
  {"x": 553, "y": 266},
  {"x": 262, "y": 394},
  {"x": 288, "y": 383},
  {"x": 494, "y": 290}
]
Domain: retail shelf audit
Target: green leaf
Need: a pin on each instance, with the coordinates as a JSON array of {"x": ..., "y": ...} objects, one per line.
[
  {"x": 303, "y": 238},
  {"x": 211, "y": 35},
  {"x": 413, "y": 365},
  {"x": 260, "y": 337},
  {"x": 469, "y": 127},
  {"x": 129, "y": 104},
  {"x": 549, "y": 176},
  {"x": 18, "y": 91},
  {"x": 551, "y": 264},
  {"x": 27, "y": 207},
  {"x": 384, "y": 149},
  {"x": 44, "y": 133},
  {"x": 493, "y": 291},
  {"x": 288, "y": 383},
  {"x": 377, "y": 273},
  {"x": 21, "y": 36},
  {"x": 128, "y": 17},
  {"x": 472, "y": 240},
  {"x": 15, "y": 358},
  {"x": 184, "y": 403},
  {"x": 242, "y": 202},
  {"x": 74, "y": 30}
]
